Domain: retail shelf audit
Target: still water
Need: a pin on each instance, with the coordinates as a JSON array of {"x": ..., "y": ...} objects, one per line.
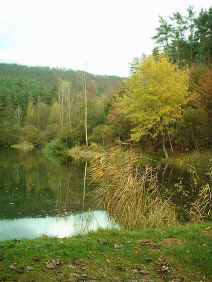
[{"x": 39, "y": 197}]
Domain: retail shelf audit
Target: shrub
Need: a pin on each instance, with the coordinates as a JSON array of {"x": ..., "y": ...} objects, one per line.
[{"x": 55, "y": 149}]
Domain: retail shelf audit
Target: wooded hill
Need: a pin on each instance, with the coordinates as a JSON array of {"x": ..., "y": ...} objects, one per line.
[
  {"x": 97, "y": 84},
  {"x": 30, "y": 101}
]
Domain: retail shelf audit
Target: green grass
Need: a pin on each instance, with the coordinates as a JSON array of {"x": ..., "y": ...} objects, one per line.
[
  {"x": 112, "y": 256},
  {"x": 83, "y": 153}
]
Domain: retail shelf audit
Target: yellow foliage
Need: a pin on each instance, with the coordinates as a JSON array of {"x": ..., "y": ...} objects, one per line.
[{"x": 155, "y": 96}]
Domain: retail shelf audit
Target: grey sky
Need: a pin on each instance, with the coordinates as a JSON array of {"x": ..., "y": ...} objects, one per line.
[{"x": 99, "y": 36}]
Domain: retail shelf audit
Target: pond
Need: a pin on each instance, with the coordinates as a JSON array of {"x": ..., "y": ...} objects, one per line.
[{"x": 39, "y": 197}]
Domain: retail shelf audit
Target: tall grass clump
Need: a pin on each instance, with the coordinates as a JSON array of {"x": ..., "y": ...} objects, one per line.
[
  {"x": 201, "y": 208},
  {"x": 129, "y": 193}
]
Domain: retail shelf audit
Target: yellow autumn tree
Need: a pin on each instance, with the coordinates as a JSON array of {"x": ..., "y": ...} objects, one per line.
[{"x": 154, "y": 98}]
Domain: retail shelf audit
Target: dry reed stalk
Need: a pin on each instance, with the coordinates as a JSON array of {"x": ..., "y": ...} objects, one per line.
[
  {"x": 200, "y": 209},
  {"x": 129, "y": 194}
]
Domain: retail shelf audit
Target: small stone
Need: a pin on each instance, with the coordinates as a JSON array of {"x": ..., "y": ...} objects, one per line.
[
  {"x": 116, "y": 246},
  {"x": 29, "y": 268},
  {"x": 164, "y": 268},
  {"x": 56, "y": 261},
  {"x": 50, "y": 265},
  {"x": 13, "y": 266},
  {"x": 134, "y": 270},
  {"x": 75, "y": 274},
  {"x": 71, "y": 266},
  {"x": 84, "y": 275},
  {"x": 145, "y": 243},
  {"x": 20, "y": 270}
]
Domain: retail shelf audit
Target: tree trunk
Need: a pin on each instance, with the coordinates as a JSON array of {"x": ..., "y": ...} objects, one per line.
[
  {"x": 86, "y": 110},
  {"x": 170, "y": 142},
  {"x": 164, "y": 147}
]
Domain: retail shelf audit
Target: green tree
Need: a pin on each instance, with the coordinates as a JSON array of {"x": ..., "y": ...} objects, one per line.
[
  {"x": 186, "y": 39},
  {"x": 203, "y": 35}
]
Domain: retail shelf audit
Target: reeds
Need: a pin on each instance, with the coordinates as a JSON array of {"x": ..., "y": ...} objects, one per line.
[
  {"x": 201, "y": 208},
  {"x": 130, "y": 194}
]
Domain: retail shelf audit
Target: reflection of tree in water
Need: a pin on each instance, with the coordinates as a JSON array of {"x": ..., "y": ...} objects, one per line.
[
  {"x": 38, "y": 187},
  {"x": 93, "y": 220},
  {"x": 84, "y": 185},
  {"x": 33, "y": 167},
  {"x": 66, "y": 182},
  {"x": 82, "y": 225},
  {"x": 63, "y": 196}
]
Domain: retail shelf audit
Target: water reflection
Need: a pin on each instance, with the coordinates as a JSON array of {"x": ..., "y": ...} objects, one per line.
[
  {"x": 32, "y": 186},
  {"x": 60, "y": 227},
  {"x": 38, "y": 198}
]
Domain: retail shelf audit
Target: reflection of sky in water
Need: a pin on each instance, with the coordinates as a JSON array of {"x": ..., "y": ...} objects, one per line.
[{"x": 55, "y": 226}]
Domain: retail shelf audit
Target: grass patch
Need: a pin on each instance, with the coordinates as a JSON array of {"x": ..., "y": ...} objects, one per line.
[
  {"x": 112, "y": 256},
  {"x": 84, "y": 153},
  {"x": 25, "y": 146}
]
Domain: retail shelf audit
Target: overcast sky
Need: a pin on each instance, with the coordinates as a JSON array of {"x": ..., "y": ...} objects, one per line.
[{"x": 99, "y": 36}]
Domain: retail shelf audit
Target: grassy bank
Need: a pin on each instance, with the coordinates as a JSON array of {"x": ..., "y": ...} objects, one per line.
[{"x": 176, "y": 253}]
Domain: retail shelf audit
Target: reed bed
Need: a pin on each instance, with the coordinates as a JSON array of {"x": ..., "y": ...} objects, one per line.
[{"x": 130, "y": 194}]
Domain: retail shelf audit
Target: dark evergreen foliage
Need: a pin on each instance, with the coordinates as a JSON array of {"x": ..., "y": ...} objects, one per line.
[{"x": 186, "y": 39}]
